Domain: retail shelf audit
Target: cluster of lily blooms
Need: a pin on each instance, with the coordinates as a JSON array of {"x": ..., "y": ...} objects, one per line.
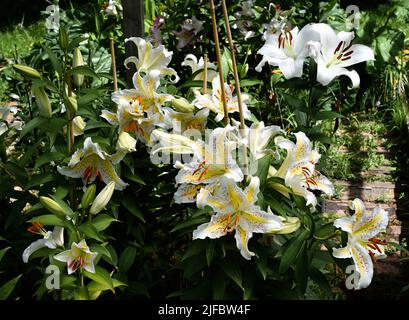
[{"x": 211, "y": 175}]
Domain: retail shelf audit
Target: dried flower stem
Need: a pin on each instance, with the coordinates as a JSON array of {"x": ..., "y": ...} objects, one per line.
[
  {"x": 111, "y": 43},
  {"x": 236, "y": 80},
  {"x": 219, "y": 61}
]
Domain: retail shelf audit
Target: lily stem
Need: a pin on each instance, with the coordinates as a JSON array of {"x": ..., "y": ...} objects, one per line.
[
  {"x": 70, "y": 140},
  {"x": 219, "y": 61}
]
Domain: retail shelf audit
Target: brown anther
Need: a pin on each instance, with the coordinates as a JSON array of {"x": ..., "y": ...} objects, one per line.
[
  {"x": 347, "y": 48},
  {"x": 346, "y": 54},
  {"x": 338, "y": 47},
  {"x": 35, "y": 227}
]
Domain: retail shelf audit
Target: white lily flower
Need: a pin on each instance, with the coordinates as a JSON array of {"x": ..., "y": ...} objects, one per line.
[
  {"x": 91, "y": 162},
  {"x": 363, "y": 246},
  {"x": 79, "y": 256},
  {"x": 50, "y": 239},
  {"x": 150, "y": 58},
  {"x": 196, "y": 65},
  {"x": 211, "y": 160},
  {"x": 110, "y": 10},
  {"x": 102, "y": 198},
  {"x": 286, "y": 49},
  {"x": 257, "y": 137},
  {"x": 236, "y": 211},
  {"x": 182, "y": 121},
  {"x": 335, "y": 52},
  {"x": 214, "y": 101},
  {"x": 298, "y": 168}
]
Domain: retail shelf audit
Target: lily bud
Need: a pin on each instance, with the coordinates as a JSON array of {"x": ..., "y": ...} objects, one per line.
[
  {"x": 43, "y": 102},
  {"x": 102, "y": 198},
  {"x": 71, "y": 104},
  {"x": 27, "y": 71},
  {"x": 126, "y": 142},
  {"x": 89, "y": 196},
  {"x": 52, "y": 206},
  {"x": 289, "y": 225},
  {"x": 77, "y": 62},
  {"x": 182, "y": 105},
  {"x": 63, "y": 38},
  {"x": 78, "y": 125}
]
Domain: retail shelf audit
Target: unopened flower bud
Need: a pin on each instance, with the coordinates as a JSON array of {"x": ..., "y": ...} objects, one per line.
[
  {"x": 89, "y": 196},
  {"x": 102, "y": 198},
  {"x": 27, "y": 71},
  {"x": 77, "y": 62},
  {"x": 126, "y": 142},
  {"x": 71, "y": 104},
  {"x": 52, "y": 206},
  {"x": 182, "y": 105},
  {"x": 43, "y": 102},
  {"x": 78, "y": 125}
]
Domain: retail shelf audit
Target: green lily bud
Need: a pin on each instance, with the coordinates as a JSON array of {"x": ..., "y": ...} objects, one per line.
[
  {"x": 77, "y": 62},
  {"x": 27, "y": 71},
  {"x": 102, "y": 198},
  {"x": 182, "y": 105},
  {"x": 71, "y": 104},
  {"x": 43, "y": 102},
  {"x": 52, "y": 206},
  {"x": 89, "y": 196},
  {"x": 63, "y": 37}
]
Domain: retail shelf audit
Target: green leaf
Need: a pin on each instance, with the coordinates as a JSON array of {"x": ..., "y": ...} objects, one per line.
[
  {"x": 47, "y": 158},
  {"x": 32, "y": 124},
  {"x": 68, "y": 282},
  {"x": 219, "y": 283},
  {"x": 102, "y": 221},
  {"x": 195, "y": 84},
  {"x": 324, "y": 115},
  {"x": 262, "y": 266},
  {"x": 232, "y": 270},
  {"x": 49, "y": 220},
  {"x": 2, "y": 252},
  {"x": 210, "y": 252},
  {"x": 134, "y": 177},
  {"x": 263, "y": 165},
  {"x": 301, "y": 271},
  {"x": 294, "y": 102},
  {"x": 250, "y": 82},
  {"x": 81, "y": 293},
  {"x": 84, "y": 70},
  {"x": 96, "y": 286},
  {"x": 8, "y": 288},
  {"x": 90, "y": 231},
  {"x": 226, "y": 62},
  {"x": 127, "y": 259},
  {"x": 194, "y": 248},
  {"x": 132, "y": 207},
  {"x": 53, "y": 59},
  {"x": 102, "y": 250},
  {"x": 189, "y": 223},
  {"x": 292, "y": 250},
  {"x": 324, "y": 232},
  {"x": 301, "y": 118},
  {"x": 101, "y": 276},
  {"x": 40, "y": 179}
]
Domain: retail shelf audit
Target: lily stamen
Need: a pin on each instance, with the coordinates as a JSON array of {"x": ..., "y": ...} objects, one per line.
[{"x": 36, "y": 228}]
